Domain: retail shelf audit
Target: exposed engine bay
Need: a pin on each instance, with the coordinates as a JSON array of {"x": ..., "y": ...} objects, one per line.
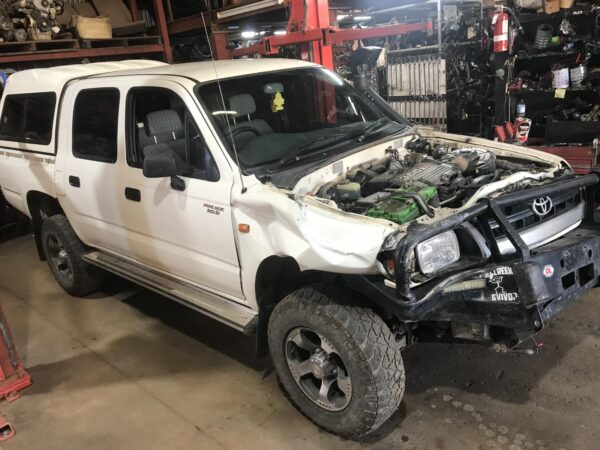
[{"x": 402, "y": 188}]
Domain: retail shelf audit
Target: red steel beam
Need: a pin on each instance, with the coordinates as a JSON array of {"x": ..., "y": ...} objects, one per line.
[
  {"x": 83, "y": 53},
  {"x": 187, "y": 24},
  {"x": 270, "y": 45},
  {"x": 334, "y": 37}
]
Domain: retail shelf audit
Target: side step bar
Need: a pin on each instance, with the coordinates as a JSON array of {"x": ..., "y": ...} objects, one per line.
[{"x": 212, "y": 305}]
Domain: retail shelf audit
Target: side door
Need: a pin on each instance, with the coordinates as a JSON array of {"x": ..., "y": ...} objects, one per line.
[
  {"x": 183, "y": 225},
  {"x": 91, "y": 158}
]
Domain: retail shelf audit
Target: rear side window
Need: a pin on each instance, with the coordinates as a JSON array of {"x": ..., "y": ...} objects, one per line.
[
  {"x": 28, "y": 118},
  {"x": 95, "y": 125}
]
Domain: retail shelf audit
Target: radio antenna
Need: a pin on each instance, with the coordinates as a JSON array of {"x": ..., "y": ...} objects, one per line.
[{"x": 223, "y": 105}]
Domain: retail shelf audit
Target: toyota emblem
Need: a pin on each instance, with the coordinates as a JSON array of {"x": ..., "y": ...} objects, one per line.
[{"x": 542, "y": 206}]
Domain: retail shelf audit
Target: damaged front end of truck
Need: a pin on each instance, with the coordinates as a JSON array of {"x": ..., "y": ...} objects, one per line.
[
  {"x": 451, "y": 236},
  {"x": 474, "y": 244}
]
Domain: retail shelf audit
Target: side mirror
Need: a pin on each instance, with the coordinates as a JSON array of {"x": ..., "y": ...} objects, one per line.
[{"x": 160, "y": 163}]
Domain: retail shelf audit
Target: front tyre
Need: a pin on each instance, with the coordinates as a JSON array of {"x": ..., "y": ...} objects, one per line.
[
  {"x": 63, "y": 251},
  {"x": 336, "y": 359}
]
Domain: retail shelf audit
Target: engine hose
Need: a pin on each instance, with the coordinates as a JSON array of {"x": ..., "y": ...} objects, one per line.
[
  {"x": 507, "y": 165},
  {"x": 420, "y": 201}
]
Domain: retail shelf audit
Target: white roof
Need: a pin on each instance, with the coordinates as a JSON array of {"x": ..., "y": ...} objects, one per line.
[
  {"x": 209, "y": 70},
  {"x": 53, "y": 79}
]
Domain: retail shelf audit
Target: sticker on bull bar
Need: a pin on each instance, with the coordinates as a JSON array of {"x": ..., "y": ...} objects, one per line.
[{"x": 502, "y": 284}]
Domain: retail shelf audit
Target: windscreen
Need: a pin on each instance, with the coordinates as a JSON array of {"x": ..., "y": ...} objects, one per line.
[{"x": 280, "y": 118}]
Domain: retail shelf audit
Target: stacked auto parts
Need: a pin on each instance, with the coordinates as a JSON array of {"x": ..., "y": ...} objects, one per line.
[
  {"x": 440, "y": 79},
  {"x": 416, "y": 88},
  {"x": 35, "y": 20}
]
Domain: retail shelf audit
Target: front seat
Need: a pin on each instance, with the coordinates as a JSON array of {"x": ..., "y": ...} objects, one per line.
[
  {"x": 244, "y": 106},
  {"x": 165, "y": 127},
  {"x": 166, "y": 131}
]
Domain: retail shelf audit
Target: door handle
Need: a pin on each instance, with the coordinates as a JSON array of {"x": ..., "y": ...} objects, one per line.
[
  {"x": 133, "y": 194},
  {"x": 74, "y": 181}
]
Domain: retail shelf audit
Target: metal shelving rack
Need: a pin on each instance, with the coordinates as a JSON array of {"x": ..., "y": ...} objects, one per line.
[
  {"x": 417, "y": 78},
  {"x": 159, "y": 47}
]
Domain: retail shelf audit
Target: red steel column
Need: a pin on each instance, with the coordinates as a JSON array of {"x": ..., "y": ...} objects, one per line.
[
  {"x": 219, "y": 45},
  {"x": 312, "y": 15},
  {"x": 322, "y": 54},
  {"x": 161, "y": 24}
]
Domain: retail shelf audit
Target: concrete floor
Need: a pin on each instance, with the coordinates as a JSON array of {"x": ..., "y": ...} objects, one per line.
[{"x": 129, "y": 369}]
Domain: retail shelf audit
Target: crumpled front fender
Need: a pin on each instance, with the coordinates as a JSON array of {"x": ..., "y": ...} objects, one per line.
[{"x": 318, "y": 236}]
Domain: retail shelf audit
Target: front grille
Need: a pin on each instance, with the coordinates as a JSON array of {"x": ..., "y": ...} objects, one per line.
[{"x": 522, "y": 217}]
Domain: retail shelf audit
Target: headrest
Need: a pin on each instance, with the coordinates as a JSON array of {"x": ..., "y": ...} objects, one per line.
[
  {"x": 242, "y": 104},
  {"x": 165, "y": 121}
]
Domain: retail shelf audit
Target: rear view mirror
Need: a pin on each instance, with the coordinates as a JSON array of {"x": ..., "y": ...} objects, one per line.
[{"x": 160, "y": 163}]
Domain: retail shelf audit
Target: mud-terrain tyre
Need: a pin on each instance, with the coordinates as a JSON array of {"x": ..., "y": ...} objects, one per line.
[
  {"x": 63, "y": 251},
  {"x": 350, "y": 351}
]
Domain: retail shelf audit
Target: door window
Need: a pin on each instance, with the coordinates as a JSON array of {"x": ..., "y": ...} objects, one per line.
[
  {"x": 95, "y": 125},
  {"x": 28, "y": 118},
  {"x": 159, "y": 117}
]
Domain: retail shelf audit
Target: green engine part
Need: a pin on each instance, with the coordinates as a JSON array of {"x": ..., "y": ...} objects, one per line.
[{"x": 400, "y": 208}]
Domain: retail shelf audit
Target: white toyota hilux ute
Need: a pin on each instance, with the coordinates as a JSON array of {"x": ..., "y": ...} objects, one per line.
[{"x": 275, "y": 197}]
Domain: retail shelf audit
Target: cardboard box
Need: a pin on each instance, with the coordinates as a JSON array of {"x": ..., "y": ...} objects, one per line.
[
  {"x": 92, "y": 27},
  {"x": 551, "y": 6}
]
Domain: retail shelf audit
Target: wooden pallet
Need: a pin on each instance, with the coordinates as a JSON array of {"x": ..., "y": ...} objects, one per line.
[
  {"x": 28, "y": 47},
  {"x": 121, "y": 42}
]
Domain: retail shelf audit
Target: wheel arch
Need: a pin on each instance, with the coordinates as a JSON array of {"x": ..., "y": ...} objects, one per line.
[
  {"x": 276, "y": 277},
  {"x": 40, "y": 206}
]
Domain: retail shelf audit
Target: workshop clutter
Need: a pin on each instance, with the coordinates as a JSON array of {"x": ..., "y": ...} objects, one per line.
[
  {"x": 43, "y": 20},
  {"x": 543, "y": 36},
  {"x": 23, "y": 20},
  {"x": 560, "y": 78},
  {"x": 554, "y": 68}
]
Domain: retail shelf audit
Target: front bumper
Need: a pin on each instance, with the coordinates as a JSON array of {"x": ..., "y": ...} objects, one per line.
[{"x": 519, "y": 292}]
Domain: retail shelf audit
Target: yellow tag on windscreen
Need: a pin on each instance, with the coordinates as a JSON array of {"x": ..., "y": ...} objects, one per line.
[{"x": 278, "y": 102}]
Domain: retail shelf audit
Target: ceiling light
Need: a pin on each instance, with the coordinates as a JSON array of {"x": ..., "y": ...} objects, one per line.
[
  {"x": 249, "y": 34},
  {"x": 249, "y": 8},
  {"x": 342, "y": 17},
  {"x": 280, "y": 32},
  {"x": 361, "y": 18}
]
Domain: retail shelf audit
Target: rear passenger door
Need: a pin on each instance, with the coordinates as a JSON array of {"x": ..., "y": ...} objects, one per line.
[{"x": 89, "y": 163}]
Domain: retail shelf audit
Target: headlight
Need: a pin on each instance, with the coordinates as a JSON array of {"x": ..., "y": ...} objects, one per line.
[{"x": 438, "y": 252}]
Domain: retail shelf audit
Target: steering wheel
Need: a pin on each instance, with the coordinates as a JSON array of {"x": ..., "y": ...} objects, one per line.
[{"x": 244, "y": 129}]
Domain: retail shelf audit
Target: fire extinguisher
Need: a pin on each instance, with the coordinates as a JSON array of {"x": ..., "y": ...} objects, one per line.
[{"x": 500, "y": 23}]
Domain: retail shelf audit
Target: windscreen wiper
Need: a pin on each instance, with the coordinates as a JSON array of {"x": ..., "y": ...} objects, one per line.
[
  {"x": 376, "y": 127},
  {"x": 369, "y": 130},
  {"x": 319, "y": 143}
]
